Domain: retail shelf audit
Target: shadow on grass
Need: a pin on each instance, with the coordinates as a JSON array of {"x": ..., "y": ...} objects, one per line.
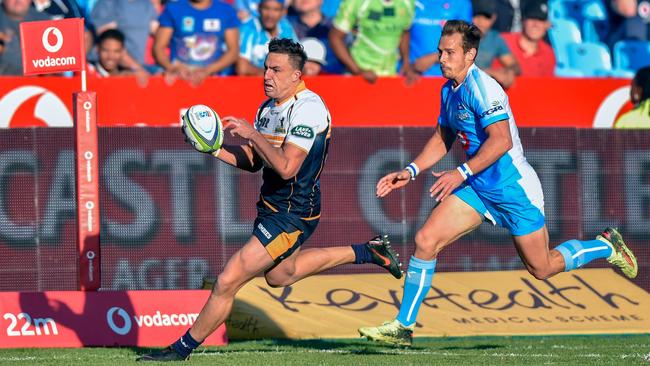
[
  {"x": 139, "y": 351},
  {"x": 352, "y": 347}
]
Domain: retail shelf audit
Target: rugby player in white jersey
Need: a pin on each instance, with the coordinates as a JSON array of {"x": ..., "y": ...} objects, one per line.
[
  {"x": 495, "y": 184},
  {"x": 289, "y": 142}
]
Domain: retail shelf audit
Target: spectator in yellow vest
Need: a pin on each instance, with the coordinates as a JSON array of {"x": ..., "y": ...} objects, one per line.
[{"x": 639, "y": 117}]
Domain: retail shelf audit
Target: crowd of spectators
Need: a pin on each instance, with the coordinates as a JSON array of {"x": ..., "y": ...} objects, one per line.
[{"x": 194, "y": 39}]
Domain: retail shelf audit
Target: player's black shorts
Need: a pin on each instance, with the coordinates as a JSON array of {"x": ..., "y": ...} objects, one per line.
[{"x": 282, "y": 233}]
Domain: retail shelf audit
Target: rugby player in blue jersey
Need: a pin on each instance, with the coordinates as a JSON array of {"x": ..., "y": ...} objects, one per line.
[
  {"x": 495, "y": 184},
  {"x": 289, "y": 142}
]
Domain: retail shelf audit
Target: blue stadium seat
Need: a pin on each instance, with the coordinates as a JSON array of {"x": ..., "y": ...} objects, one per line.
[
  {"x": 631, "y": 55},
  {"x": 594, "y": 20},
  {"x": 592, "y": 58},
  {"x": 589, "y": 15},
  {"x": 563, "y": 33}
]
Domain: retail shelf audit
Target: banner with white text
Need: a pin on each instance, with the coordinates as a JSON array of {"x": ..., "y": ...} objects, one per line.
[
  {"x": 171, "y": 215},
  {"x": 110, "y": 318},
  {"x": 52, "y": 46}
]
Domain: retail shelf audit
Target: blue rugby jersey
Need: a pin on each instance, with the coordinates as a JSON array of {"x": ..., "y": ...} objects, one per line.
[{"x": 467, "y": 110}]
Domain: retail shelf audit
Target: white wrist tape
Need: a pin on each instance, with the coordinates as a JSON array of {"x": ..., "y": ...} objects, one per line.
[
  {"x": 413, "y": 170},
  {"x": 465, "y": 171}
]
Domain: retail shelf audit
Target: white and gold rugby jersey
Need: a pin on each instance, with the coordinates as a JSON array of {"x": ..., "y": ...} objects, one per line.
[{"x": 303, "y": 121}]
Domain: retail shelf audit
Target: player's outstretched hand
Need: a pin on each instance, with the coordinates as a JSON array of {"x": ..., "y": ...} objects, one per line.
[
  {"x": 445, "y": 184},
  {"x": 392, "y": 181},
  {"x": 239, "y": 127}
]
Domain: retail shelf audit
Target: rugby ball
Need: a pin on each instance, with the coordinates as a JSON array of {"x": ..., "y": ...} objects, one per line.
[{"x": 202, "y": 128}]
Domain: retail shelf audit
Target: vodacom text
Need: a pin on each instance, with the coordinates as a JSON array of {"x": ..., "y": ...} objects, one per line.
[
  {"x": 123, "y": 326},
  {"x": 54, "y": 61}
]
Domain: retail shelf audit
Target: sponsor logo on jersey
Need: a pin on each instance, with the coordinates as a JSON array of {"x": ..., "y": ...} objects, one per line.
[
  {"x": 463, "y": 116},
  {"x": 303, "y": 131},
  {"x": 264, "y": 231},
  {"x": 492, "y": 110}
]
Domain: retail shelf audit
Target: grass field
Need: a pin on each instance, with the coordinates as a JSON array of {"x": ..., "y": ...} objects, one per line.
[{"x": 551, "y": 350}]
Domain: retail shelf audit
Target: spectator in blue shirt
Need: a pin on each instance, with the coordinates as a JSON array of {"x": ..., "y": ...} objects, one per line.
[
  {"x": 493, "y": 47},
  {"x": 256, "y": 34},
  {"x": 430, "y": 17},
  {"x": 202, "y": 36},
  {"x": 628, "y": 19}
]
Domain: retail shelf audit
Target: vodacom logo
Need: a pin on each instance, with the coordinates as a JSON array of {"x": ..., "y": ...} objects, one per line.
[
  {"x": 49, "y": 108},
  {"x": 126, "y": 319},
  {"x": 46, "y": 39},
  {"x": 610, "y": 107}
]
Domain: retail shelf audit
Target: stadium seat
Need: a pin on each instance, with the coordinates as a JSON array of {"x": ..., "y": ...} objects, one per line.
[
  {"x": 594, "y": 20},
  {"x": 589, "y": 15},
  {"x": 563, "y": 33},
  {"x": 592, "y": 58},
  {"x": 594, "y": 10},
  {"x": 631, "y": 55}
]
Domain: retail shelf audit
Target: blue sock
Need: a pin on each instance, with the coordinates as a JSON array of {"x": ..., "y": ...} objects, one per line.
[
  {"x": 416, "y": 285},
  {"x": 361, "y": 254},
  {"x": 577, "y": 253},
  {"x": 185, "y": 344}
]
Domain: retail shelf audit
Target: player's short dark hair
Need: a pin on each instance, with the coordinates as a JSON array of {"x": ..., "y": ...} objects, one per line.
[
  {"x": 114, "y": 34},
  {"x": 642, "y": 79},
  {"x": 294, "y": 50},
  {"x": 470, "y": 33}
]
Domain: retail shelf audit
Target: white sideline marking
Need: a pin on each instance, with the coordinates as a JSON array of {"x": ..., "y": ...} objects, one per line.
[
  {"x": 28, "y": 358},
  {"x": 206, "y": 353},
  {"x": 406, "y": 352}
]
